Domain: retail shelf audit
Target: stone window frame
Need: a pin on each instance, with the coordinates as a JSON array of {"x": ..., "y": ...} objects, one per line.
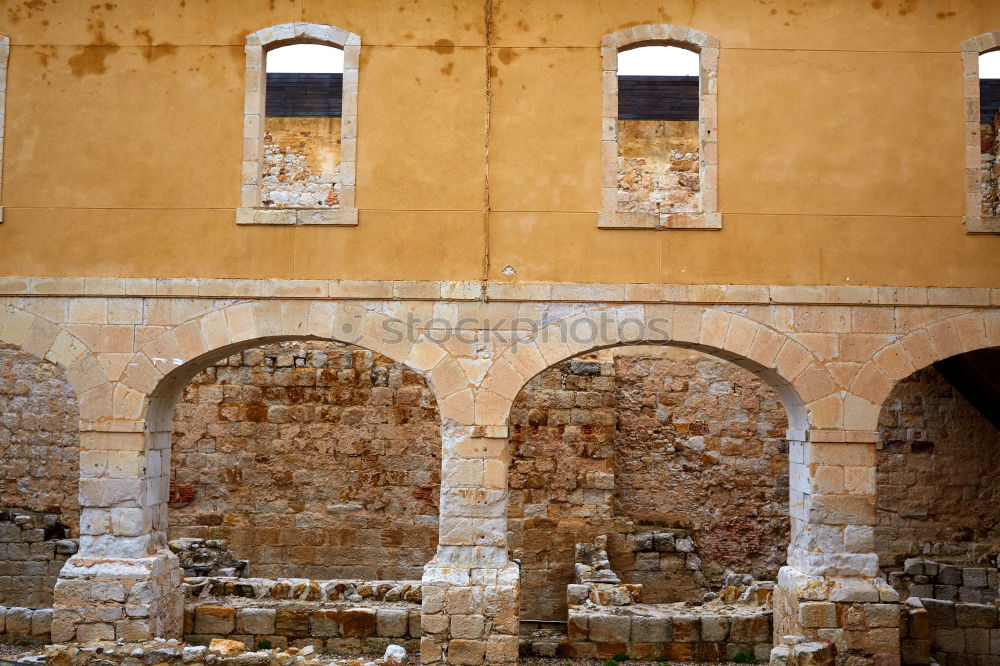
[
  {"x": 707, "y": 48},
  {"x": 975, "y": 222},
  {"x": 4, "y": 56},
  {"x": 257, "y": 45}
]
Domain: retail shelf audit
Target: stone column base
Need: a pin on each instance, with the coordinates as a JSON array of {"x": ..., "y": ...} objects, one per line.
[
  {"x": 859, "y": 616},
  {"x": 108, "y": 599},
  {"x": 470, "y": 615}
]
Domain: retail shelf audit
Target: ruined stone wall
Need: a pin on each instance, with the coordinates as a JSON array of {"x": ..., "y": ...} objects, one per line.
[
  {"x": 632, "y": 439},
  {"x": 936, "y": 471},
  {"x": 314, "y": 460},
  {"x": 701, "y": 447},
  {"x": 563, "y": 428},
  {"x": 39, "y": 437},
  {"x": 301, "y": 163},
  {"x": 658, "y": 166}
]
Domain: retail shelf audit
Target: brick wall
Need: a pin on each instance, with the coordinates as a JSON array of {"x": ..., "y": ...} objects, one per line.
[
  {"x": 39, "y": 437},
  {"x": 624, "y": 441},
  {"x": 936, "y": 471},
  {"x": 315, "y": 460}
]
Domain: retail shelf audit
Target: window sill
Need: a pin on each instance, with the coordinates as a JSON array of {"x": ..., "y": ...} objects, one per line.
[
  {"x": 623, "y": 220},
  {"x": 980, "y": 224},
  {"x": 313, "y": 217}
]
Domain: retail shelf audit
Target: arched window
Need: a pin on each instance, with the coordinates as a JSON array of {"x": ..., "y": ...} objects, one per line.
[
  {"x": 981, "y": 61},
  {"x": 659, "y": 129},
  {"x": 300, "y": 126},
  {"x": 4, "y": 53}
]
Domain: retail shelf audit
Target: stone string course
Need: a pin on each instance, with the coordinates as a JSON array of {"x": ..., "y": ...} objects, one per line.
[
  {"x": 499, "y": 291},
  {"x": 336, "y": 628}
]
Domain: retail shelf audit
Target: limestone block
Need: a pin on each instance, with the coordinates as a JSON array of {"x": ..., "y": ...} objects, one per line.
[
  {"x": 974, "y": 577},
  {"x": 294, "y": 623},
  {"x": 918, "y": 624},
  {"x": 393, "y": 622},
  {"x": 214, "y": 620},
  {"x": 433, "y": 599},
  {"x": 950, "y": 640},
  {"x": 814, "y": 615},
  {"x": 780, "y": 655},
  {"x": 652, "y": 629},
  {"x": 977, "y": 641},
  {"x": 950, "y": 575},
  {"x": 940, "y": 613},
  {"x": 714, "y": 628},
  {"x": 915, "y": 651},
  {"x": 41, "y": 622},
  {"x": 258, "y": 621},
  {"x": 466, "y": 652},
  {"x": 414, "y": 624},
  {"x": 882, "y": 615},
  {"x": 610, "y": 628},
  {"x": 95, "y": 631},
  {"x": 501, "y": 649},
  {"x": 812, "y": 654},
  {"x": 975, "y": 615},
  {"x": 945, "y": 592},
  {"x": 19, "y": 621},
  {"x": 577, "y": 594},
  {"x": 358, "y": 622},
  {"x": 687, "y": 628}
]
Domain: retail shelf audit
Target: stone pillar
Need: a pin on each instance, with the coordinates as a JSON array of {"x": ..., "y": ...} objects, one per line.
[
  {"x": 471, "y": 591},
  {"x": 124, "y": 582},
  {"x": 830, "y": 589}
]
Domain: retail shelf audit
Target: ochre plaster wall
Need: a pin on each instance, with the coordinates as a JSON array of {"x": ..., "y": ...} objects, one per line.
[{"x": 124, "y": 124}]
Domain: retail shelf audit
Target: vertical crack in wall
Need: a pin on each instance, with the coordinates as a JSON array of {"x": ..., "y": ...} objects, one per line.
[{"x": 488, "y": 18}]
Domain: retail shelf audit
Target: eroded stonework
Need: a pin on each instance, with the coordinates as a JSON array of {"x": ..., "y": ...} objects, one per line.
[
  {"x": 935, "y": 473},
  {"x": 301, "y": 163},
  {"x": 39, "y": 436},
  {"x": 315, "y": 460},
  {"x": 658, "y": 166},
  {"x": 637, "y": 439}
]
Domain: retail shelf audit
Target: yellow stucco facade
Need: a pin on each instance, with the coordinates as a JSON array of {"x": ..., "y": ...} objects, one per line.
[{"x": 840, "y": 144}]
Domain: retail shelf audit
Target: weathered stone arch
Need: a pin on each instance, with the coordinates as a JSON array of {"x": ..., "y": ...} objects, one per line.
[
  {"x": 125, "y": 478},
  {"x": 918, "y": 349},
  {"x": 44, "y": 339},
  {"x": 780, "y": 361}
]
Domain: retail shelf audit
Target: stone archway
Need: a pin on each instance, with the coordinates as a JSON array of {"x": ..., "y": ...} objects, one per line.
[{"x": 124, "y": 493}]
